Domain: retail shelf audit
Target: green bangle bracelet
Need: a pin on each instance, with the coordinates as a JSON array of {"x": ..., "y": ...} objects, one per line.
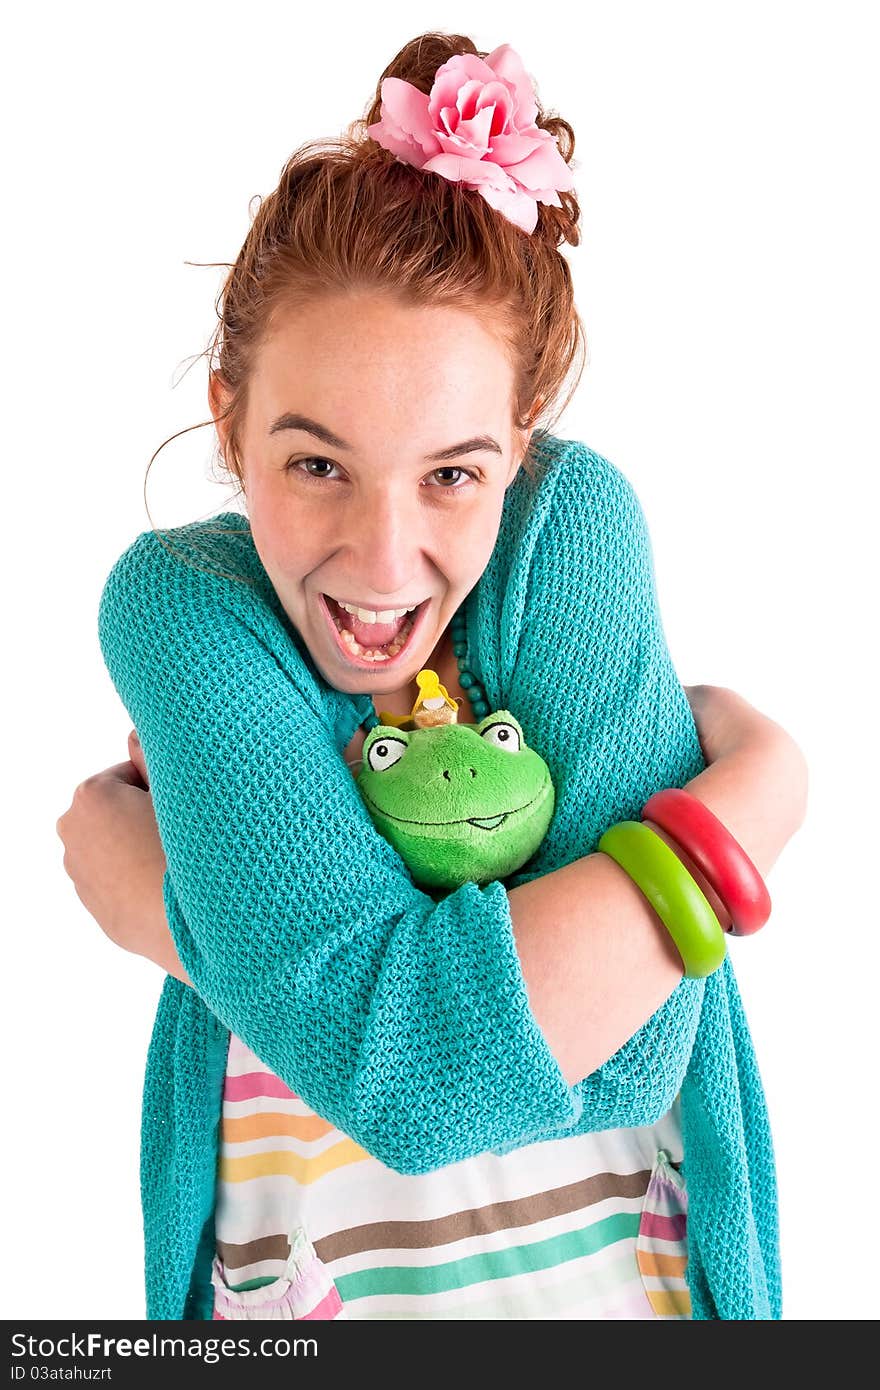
[{"x": 675, "y": 896}]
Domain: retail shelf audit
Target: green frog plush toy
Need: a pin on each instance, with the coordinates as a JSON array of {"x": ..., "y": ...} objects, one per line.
[{"x": 459, "y": 802}]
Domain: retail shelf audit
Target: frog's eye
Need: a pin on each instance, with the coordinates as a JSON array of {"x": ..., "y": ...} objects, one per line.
[
  {"x": 385, "y": 752},
  {"x": 504, "y": 736}
]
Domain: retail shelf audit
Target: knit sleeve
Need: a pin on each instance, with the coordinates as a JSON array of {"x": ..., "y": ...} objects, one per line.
[
  {"x": 581, "y": 658},
  {"x": 403, "y": 1021},
  {"x": 590, "y": 666}
]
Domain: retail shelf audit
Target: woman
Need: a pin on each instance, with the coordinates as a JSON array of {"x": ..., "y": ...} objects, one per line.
[{"x": 390, "y": 335}]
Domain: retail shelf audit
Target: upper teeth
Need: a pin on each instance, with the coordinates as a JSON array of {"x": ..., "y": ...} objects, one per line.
[{"x": 366, "y": 615}]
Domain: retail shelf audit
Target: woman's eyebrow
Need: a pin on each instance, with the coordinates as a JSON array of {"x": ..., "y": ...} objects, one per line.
[{"x": 292, "y": 421}]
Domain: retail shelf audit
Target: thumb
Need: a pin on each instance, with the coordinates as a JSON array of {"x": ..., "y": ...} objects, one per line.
[{"x": 136, "y": 754}]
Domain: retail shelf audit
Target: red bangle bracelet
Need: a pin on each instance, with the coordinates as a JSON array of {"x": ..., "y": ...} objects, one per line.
[{"x": 716, "y": 854}]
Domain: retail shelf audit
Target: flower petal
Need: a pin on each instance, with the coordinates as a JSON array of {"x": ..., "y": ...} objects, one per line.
[
  {"x": 448, "y": 123},
  {"x": 398, "y": 142},
  {"x": 499, "y": 95},
  {"x": 471, "y": 137},
  {"x": 460, "y": 68},
  {"x": 517, "y": 207},
  {"x": 466, "y": 97},
  {"x": 508, "y": 65},
  {"x": 461, "y": 168},
  {"x": 544, "y": 168},
  {"x": 404, "y": 111},
  {"x": 512, "y": 148}
]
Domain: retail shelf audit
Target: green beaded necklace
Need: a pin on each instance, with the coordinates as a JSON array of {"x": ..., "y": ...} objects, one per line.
[{"x": 466, "y": 679}]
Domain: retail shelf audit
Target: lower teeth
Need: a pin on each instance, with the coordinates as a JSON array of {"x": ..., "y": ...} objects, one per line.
[{"x": 374, "y": 653}]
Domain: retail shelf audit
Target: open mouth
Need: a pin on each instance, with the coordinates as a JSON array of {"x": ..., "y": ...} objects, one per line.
[{"x": 369, "y": 645}]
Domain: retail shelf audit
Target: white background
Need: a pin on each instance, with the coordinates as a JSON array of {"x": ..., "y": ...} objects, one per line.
[{"x": 727, "y": 278}]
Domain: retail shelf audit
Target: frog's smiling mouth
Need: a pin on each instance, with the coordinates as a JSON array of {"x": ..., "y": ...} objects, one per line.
[
  {"x": 481, "y": 822},
  {"x": 489, "y": 822}
]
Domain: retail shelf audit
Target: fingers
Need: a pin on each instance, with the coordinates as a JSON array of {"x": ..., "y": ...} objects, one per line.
[
  {"x": 128, "y": 772},
  {"x": 119, "y": 772},
  {"x": 700, "y": 695}
]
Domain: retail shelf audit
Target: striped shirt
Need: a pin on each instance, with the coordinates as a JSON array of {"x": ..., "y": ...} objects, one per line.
[{"x": 309, "y": 1225}]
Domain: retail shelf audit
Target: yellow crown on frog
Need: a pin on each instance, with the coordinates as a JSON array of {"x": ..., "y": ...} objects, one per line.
[{"x": 434, "y": 706}]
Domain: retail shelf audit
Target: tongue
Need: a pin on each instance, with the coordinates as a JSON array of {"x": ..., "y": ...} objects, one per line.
[{"x": 369, "y": 634}]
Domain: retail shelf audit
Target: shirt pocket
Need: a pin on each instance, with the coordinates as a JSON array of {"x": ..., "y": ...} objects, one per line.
[
  {"x": 303, "y": 1291},
  {"x": 661, "y": 1246}
]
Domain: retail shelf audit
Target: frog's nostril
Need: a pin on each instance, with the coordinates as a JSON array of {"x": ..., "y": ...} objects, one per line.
[
  {"x": 473, "y": 772},
  {"x": 446, "y": 773}
]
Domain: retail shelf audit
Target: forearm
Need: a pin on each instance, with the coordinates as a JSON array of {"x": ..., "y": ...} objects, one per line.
[
  {"x": 148, "y": 933},
  {"x": 287, "y": 907},
  {"x": 165, "y": 955},
  {"x": 596, "y": 958}
]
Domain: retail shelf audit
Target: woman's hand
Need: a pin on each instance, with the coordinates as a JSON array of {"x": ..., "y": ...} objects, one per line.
[
  {"x": 728, "y": 725},
  {"x": 744, "y": 748},
  {"x": 136, "y": 756},
  {"x": 726, "y": 722},
  {"x": 114, "y": 856}
]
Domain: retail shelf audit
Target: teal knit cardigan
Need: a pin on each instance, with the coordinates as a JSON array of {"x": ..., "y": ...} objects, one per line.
[{"x": 404, "y": 1021}]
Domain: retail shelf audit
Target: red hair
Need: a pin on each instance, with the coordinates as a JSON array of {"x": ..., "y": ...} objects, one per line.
[{"x": 348, "y": 216}]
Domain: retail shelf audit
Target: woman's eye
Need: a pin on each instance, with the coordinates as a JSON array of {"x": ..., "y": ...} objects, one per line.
[
  {"x": 314, "y": 467},
  {"x": 452, "y": 478},
  {"x": 446, "y": 479}
]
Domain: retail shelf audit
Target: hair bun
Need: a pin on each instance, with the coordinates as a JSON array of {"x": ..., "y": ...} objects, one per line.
[
  {"x": 417, "y": 64},
  {"x": 349, "y": 212}
]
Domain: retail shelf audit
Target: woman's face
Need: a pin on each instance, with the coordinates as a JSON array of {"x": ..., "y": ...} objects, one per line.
[{"x": 377, "y": 447}]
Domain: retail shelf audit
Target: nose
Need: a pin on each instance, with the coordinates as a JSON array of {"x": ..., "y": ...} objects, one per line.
[
  {"x": 447, "y": 772},
  {"x": 384, "y": 536}
]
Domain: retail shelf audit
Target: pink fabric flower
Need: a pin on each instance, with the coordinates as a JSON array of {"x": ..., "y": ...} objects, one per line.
[{"x": 477, "y": 126}]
